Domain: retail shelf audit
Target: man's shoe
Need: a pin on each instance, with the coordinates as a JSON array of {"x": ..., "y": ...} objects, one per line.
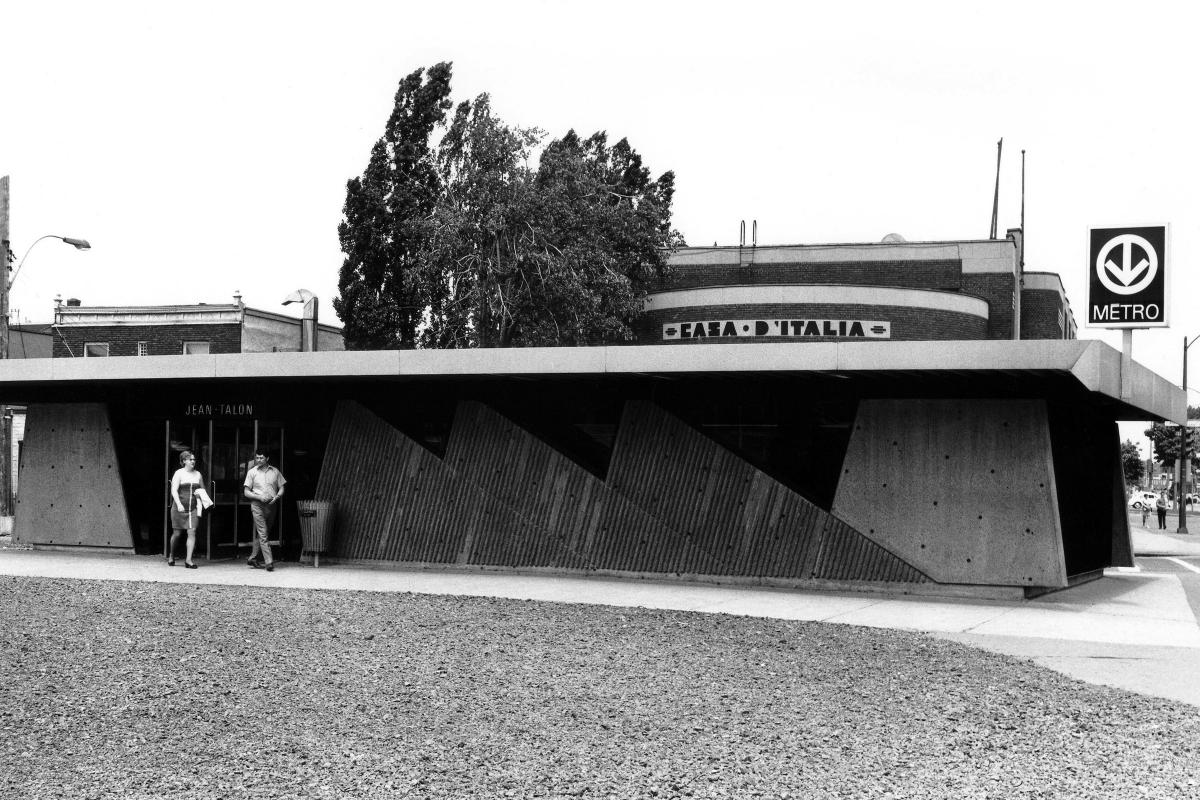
[
  {"x": 253, "y": 564},
  {"x": 269, "y": 567}
]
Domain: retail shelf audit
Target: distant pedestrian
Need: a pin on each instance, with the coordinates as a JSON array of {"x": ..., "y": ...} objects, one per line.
[
  {"x": 185, "y": 507},
  {"x": 264, "y": 486},
  {"x": 1160, "y": 505}
]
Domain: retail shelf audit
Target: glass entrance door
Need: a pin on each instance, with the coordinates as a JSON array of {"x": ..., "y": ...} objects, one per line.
[
  {"x": 224, "y": 453},
  {"x": 229, "y": 518}
]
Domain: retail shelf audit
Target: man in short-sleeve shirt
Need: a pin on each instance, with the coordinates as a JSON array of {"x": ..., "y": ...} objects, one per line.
[{"x": 264, "y": 486}]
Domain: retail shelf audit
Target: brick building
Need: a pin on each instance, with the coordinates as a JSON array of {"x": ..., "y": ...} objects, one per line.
[
  {"x": 897, "y": 290},
  {"x": 202, "y": 329}
]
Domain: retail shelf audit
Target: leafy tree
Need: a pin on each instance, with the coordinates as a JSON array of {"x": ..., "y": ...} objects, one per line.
[
  {"x": 1132, "y": 463},
  {"x": 606, "y": 229},
  {"x": 386, "y": 227},
  {"x": 492, "y": 252},
  {"x": 1166, "y": 441},
  {"x": 482, "y": 229}
]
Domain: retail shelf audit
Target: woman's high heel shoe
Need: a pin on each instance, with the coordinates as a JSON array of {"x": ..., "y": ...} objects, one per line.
[
  {"x": 171, "y": 562},
  {"x": 190, "y": 566}
]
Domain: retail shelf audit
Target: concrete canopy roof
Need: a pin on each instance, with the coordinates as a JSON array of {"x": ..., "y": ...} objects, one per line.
[{"x": 1087, "y": 366}]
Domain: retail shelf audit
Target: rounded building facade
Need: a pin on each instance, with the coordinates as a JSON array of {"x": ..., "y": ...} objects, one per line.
[
  {"x": 811, "y": 313},
  {"x": 892, "y": 290}
]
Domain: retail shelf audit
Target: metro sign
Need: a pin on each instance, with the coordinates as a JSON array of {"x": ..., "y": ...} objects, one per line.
[{"x": 1127, "y": 277}]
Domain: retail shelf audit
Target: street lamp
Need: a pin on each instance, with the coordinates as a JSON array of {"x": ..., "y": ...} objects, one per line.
[
  {"x": 6, "y": 286},
  {"x": 1183, "y": 437},
  {"x": 78, "y": 244}
]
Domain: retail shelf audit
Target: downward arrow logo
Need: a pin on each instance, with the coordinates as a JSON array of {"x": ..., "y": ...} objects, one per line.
[
  {"x": 1127, "y": 271},
  {"x": 1120, "y": 273}
]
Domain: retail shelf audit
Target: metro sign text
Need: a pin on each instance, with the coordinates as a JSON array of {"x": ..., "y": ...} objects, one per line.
[{"x": 1126, "y": 312}]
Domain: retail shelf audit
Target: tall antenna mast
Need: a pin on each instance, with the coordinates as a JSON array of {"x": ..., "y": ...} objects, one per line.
[
  {"x": 1022, "y": 199},
  {"x": 1020, "y": 287},
  {"x": 996, "y": 197}
]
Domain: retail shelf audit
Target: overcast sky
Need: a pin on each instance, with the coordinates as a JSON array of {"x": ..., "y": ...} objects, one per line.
[{"x": 205, "y": 148}]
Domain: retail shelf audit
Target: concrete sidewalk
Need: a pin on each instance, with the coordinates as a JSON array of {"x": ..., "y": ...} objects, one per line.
[
  {"x": 1153, "y": 542},
  {"x": 1130, "y": 629}
]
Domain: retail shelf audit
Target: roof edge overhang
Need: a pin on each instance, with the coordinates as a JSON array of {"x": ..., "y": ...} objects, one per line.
[{"x": 1093, "y": 365}]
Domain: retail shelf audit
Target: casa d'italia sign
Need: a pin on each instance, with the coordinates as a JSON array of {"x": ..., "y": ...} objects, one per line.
[
  {"x": 1127, "y": 277},
  {"x": 778, "y": 328}
]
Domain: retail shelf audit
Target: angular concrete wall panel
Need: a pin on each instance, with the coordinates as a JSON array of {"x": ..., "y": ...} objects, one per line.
[
  {"x": 396, "y": 501},
  {"x": 393, "y": 502},
  {"x": 503, "y": 497},
  {"x": 71, "y": 493},
  {"x": 562, "y": 499},
  {"x": 750, "y": 523},
  {"x": 963, "y": 490}
]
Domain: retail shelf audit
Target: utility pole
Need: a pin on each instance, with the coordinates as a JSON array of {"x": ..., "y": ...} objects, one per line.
[
  {"x": 1180, "y": 473},
  {"x": 5, "y": 417}
]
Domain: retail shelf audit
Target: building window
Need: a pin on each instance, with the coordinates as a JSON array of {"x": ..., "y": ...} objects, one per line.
[
  {"x": 95, "y": 350},
  {"x": 143, "y": 348},
  {"x": 195, "y": 348}
]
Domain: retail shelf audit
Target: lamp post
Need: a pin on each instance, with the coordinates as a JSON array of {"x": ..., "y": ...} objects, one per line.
[
  {"x": 78, "y": 244},
  {"x": 1183, "y": 442},
  {"x": 6, "y": 284}
]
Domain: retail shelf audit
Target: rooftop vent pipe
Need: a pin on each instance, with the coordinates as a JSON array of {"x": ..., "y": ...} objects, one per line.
[{"x": 308, "y": 323}]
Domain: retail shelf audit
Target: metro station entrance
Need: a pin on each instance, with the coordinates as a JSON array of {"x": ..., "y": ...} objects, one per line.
[{"x": 224, "y": 450}]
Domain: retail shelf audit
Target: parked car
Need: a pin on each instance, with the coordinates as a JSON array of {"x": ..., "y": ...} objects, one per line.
[{"x": 1143, "y": 499}]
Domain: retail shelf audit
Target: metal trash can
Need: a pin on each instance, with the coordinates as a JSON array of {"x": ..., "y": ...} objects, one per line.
[{"x": 316, "y": 526}]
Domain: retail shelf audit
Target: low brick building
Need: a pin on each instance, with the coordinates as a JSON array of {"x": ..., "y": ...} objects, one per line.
[
  {"x": 202, "y": 329},
  {"x": 897, "y": 290}
]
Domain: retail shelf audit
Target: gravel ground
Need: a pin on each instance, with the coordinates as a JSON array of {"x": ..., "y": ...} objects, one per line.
[{"x": 130, "y": 690}]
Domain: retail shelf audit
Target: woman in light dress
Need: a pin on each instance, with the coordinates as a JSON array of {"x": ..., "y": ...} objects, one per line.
[{"x": 185, "y": 507}]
